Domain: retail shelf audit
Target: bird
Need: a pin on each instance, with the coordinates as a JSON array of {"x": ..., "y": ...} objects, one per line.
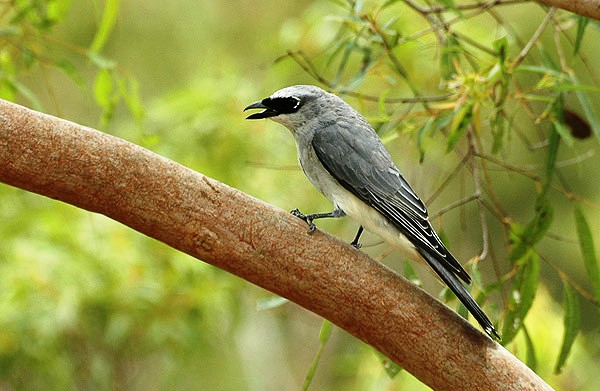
[{"x": 344, "y": 158}]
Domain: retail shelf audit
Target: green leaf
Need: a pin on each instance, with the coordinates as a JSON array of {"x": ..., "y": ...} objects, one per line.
[
  {"x": 27, "y": 94},
  {"x": 71, "y": 71},
  {"x": 527, "y": 282},
  {"x": 524, "y": 238},
  {"x": 30, "y": 58},
  {"x": 109, "y": 18},
  {"x": 58, "y": 9},
  {"x": 459, "y": 124},
  {"x": 100, "y": 61},
  {"x": 448, "y": 57},
  {"x": 500, "y": 45},
  {"x": 103, "y": 88},
  {"x": 522, "y": 294},
  {"x": 390, "y": 367},
  {"x": 410, "y": 274},
  {"x": 572, "y": 321},
  {"x": 7, "y": 90},
  {"x": 530, "y": 358},
  {"x": 324, "y": 335},
  {"x": 517, "y": 251},
  {"x": 130, "y": 91},
  {"x": 446, "y": 3},
  {"x": 540, "y": 69},
  {"x": 381, "y": 104},
  {"x": 587, "y": 108},
  {"x": 270, "y": 303},
  {"x": 348, "y": 49},
  {"x": 104, "y": 96},
  {"x": 499, "y": 76},
  {"x": 498, "y": 72},
  {"x": 425, "y": 129},
  {"x": 573, "y": 87},
  {"x": 325, "y": 332},
  {"x": 588, "y": 251},
  {"x": 498, "y": 130},
  {"x": 553, "y": 144},
  {"x": 563, "y": 131},
  {"x": 462, "y": 310},
  {"x": 449, "y": 5},
  {"x": 582, "y": 23},
  {"x": 538, "y": 98}
]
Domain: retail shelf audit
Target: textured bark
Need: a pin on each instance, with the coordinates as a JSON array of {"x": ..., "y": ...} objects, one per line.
[
  {"x": 257, "y": 242},
  {"x": 588, "y": 8}
]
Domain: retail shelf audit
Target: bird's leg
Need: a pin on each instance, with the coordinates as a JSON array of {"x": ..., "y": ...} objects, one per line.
[
  {"x": 310, "y": 218},
  {"x": 355, "y": 243}
]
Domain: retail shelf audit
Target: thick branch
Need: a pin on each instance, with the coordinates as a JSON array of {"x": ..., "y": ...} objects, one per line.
[
  {"x": 588, "y": 8},
  {"x": 257, "y": 242}
]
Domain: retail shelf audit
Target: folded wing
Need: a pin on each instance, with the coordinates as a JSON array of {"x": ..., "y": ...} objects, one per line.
[{"x": 363, "y": 166}]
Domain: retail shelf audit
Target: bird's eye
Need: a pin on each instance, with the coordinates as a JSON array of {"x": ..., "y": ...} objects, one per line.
[{"x": 285, "y": 105}]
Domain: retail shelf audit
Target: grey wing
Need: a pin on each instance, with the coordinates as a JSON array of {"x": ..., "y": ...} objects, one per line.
[{"x": 363, "y": 166}]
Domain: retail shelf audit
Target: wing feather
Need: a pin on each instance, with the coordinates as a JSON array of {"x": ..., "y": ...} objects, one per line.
[{"x": 366, "y": 170}]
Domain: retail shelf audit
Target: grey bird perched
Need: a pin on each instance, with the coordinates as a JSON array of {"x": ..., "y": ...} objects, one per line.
[{"x": 343, "y": 157}]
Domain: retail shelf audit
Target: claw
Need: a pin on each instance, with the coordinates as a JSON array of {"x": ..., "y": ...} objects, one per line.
[
  {"x": 356, "y": 245},
  {"x": 307, "y": 219}
]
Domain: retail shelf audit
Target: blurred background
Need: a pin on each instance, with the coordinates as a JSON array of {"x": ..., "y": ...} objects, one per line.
[{"x": 499, "y": 139}]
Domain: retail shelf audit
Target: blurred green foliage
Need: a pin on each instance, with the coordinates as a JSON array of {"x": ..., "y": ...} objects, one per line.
[{"x": 500, "y": 109}]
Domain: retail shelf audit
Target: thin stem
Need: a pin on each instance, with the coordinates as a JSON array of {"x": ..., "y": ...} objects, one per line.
[
  {"x": 307, "y": 65},
  {"x": 448, "y": 179},
  {"x": 465, "y": 7},
  {"x": 454, "y": 205},
  {"x": 477, "y": 183},
  {"x": 534, "y": 38}
]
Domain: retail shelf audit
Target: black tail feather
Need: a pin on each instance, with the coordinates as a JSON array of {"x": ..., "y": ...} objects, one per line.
[{"x": 461, "y": 292}]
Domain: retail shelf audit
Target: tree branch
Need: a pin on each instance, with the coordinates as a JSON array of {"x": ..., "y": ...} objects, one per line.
[
  {"x": 588, "y": 8},
  {"x": 257, "y": 242}
]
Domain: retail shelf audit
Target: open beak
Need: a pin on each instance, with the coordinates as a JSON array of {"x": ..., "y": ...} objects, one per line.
[{"x": 266, "y": 113}]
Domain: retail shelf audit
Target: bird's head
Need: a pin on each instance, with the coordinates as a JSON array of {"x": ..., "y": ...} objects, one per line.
[{"x": 295, "y": 106}]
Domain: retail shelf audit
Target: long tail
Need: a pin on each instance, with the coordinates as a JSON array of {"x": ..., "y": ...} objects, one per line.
[{"x": 461, "y": 292}]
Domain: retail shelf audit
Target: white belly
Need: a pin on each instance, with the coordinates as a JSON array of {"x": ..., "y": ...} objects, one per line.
[
  {"x": 363, "y": 214},
  {"x": 374, "y": 222}
]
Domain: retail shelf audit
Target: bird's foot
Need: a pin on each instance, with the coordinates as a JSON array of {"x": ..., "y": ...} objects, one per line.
[
  {"x": 356, "y": 244},
  {"x": 308, "y": 219}
]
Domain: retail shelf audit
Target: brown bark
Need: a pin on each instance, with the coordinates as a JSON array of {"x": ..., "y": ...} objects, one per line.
[
  {"x": 588, "y": 8},
  {"x": 257, "y": 242}
]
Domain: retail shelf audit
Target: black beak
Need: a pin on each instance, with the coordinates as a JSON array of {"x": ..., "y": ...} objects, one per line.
[{"x": 266, "y": 113}]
